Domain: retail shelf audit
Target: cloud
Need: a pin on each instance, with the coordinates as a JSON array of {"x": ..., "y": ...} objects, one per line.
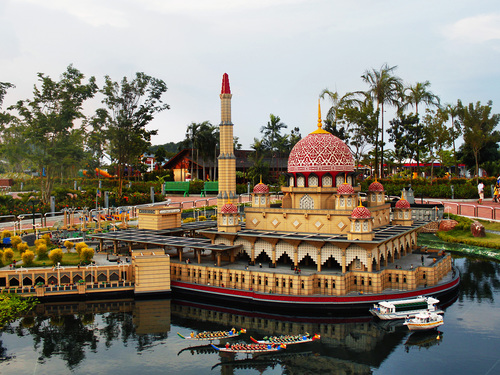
[
  {"x": 92, "y": 12},
  {"x": 477, "y": 29},
  {"x": 197, "y": 6}
]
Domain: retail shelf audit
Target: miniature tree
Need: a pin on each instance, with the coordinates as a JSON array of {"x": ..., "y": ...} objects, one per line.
[
  {"x": 6, "y": 233},
  {"x": 8, "y": 255},
  {"x": 79, "y": 246},
  {"x": 56, "y": 256},
  {"x": 41, "y": 251},
  {"x": 69, "y": 245},
  {"x": 22, "y": 247},
  {"x": 1, "y": 258},
  {"x": 86, "y": 254},
  {"x": 28, "y": 257},
  {"x": 48, "y": 240},
  {"x": 14, "y": 241}
]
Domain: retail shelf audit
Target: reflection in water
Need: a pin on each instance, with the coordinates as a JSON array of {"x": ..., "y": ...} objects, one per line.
[
  {"x": 143, "y": 334},
  {"x": 478, "y": 279}
]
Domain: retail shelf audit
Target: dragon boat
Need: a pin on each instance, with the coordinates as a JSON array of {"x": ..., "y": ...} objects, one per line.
[
  {"x": 286, "y": 339},
  {"x": 213, "y": 335},
  {"x": 250, "y": 348}
]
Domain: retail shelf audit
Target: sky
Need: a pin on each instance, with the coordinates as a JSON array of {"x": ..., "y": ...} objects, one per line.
[{"x": 279, "y": 54}]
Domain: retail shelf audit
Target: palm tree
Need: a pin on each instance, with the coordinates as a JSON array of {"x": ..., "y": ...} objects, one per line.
[
  {"x": 272, "y": 134},
  {"x": 419, "y": 93},
  {"x": 455, "y": 130},
  {"x": 384, "y": 89}
]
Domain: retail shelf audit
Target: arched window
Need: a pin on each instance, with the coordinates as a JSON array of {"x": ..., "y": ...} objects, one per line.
[
  {"x": 301, "y": 181},
  {"x": 327, "y": 180},
  {"x": 313, "y": 180},
  {"x": 306, "y": 202}
]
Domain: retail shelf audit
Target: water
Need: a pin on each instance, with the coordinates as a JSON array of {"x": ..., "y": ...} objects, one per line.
[{"x": 139, "y": 337}]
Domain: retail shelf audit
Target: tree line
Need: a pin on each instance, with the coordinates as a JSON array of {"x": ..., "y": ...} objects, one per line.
[{"x": 51, "y": 133}]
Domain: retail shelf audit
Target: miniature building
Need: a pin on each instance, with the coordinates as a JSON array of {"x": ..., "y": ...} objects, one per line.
[
  {"x": 228, "y": 220},
  {"x": 402, "y": 213},
  {"x": 159, "y": 217}
]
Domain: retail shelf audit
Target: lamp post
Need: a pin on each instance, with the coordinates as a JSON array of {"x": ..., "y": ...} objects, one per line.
[
  {"x": 33, "y": 202},
  {"x": 58, "y": 268}
]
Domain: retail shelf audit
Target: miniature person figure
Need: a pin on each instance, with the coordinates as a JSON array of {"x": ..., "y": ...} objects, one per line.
[{"x": 480, "y": 191}]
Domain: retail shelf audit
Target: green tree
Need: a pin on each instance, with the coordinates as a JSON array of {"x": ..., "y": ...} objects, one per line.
[
  {"x": 384, "y": 88},
  {"x": 12, "y": 305},
  {"x": 478, "y": 124},
  {"x": 273, "y": 138},
  {"x": 131, "y": 106},
  {"x": 408, "y": 136},
  {"x": 160, "y": 156},
  {"x": 455, "y": 130},
  {"x": 49, "y": 124},
  {"x": 438, "y": 134},
  {"x": 96, "y": 142},
  {"x": 417, "y": 94}
]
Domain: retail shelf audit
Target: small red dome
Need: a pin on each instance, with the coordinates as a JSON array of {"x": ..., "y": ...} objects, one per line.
[
  {"x": 403, "y": 203},
  {"x": 375, "y": 187},
  {"x": 320, "y": 152},
  {"x": 229, "y": 208},
  {"x": 361, "y": 212},
  {"x": 261, "y": 188},
  {"x": 345, "y": 189}
]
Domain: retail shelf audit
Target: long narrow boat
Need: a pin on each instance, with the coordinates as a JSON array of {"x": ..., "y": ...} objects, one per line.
[
  {"x": 250, "y": 348},
  {"x": 424, "y": 321},
  {"x": 405, "y": 308},
  {"x": 286, "y": 339},
  {"x": 213, "y": 335}
]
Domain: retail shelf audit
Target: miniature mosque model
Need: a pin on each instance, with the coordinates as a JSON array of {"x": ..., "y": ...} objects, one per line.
[{"x": 321, "y": 221}]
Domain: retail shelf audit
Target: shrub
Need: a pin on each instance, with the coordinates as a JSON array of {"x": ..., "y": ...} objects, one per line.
[
  {"x": 14, "y": 241},
  {"x": 68, "y": 245},
  {"x": 86, "y": 254},
  {"x": 1, "y": 257},
  {"x": 213, "y": 217},
  {"x": 56, "y": 256},
  {"x": 79, "y": 246},
  {"x": 6, "y": 233},
  {"x": 39, "y": 242},
  {"x": 22, "y": 247},
  {"x": 188, "y": 220},
  {"x": 41, "y": 251},
  {"x": 202, "y": 218},
  {"x": 48, "y": 240},
  {"x": 28, "y": 257},
  {"x": 8, "y": 255}
]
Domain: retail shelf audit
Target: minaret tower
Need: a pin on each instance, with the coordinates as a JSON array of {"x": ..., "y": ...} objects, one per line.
[{"x": 227, "y": 160}]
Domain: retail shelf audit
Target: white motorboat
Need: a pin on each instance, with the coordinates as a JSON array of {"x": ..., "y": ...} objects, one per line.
[
  {"x": 405, "y": 308},
  {"x": 424, "y": 321}
]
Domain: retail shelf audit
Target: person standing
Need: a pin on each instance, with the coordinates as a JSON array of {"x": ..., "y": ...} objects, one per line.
[{"x": 480, "y": 191}]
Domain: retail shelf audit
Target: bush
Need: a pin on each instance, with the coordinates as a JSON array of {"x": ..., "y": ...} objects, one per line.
[
  {"x": 22, "y": 247},
  {"x": 14, "y": 241},
  {"x": 202, "y": 218},
  {"x": 56, "y": 256},
  {"x": 39, "y": 242},
  {"x": 1, "y": 257},
  {"x": 48, "y": 240},
  {"x": 79, "y": 246},
  {"x": 213, "y": 217},
  {"x": 41, "y": 251},
  {"x": 68, "y": 245},
  {"x": 188, "y": 220},
  {"x": 6, "y": 233},
  {"x": 86, "y": 254},
  {"x": 8, "y": 255},
  {"x": 28, "y": 257}
]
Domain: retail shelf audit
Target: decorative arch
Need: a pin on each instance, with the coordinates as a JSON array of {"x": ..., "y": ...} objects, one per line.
[
  {"x": 114, "y": 276},
  {"x": 313, "y": 180},
  {"x": 262, "y": 246},
  {"x": 330, "y": 250},
  {"x": 65, "y": 279},
  {"x": 305, "y": 249},
  {"x": 27, "y": 280},
  {"x": 355, "y": 251},
  {"x": 40, "y": 279},
  {"x": 327, "y": 180},
  {"x": 102, "y": 277},
  {"x": 306, "y": 202}
]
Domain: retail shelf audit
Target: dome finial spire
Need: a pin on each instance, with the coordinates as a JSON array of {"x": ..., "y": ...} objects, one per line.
[{"x": 319, "y": 115}]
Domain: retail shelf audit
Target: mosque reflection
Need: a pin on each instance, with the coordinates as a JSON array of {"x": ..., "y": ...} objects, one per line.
[{"x": 70, "y": 330}]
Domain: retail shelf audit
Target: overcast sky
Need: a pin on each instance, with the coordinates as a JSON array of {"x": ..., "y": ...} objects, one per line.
[{"x": 279, "y": 54}]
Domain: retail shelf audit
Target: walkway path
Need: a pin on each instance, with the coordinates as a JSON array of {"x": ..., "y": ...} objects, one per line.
[{"x": 488, "y": 210}]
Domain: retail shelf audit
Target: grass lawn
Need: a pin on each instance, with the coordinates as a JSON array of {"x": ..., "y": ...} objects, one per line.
[
  {"x": 69, "y": 259},
  {"x": 490, "y": 225}
]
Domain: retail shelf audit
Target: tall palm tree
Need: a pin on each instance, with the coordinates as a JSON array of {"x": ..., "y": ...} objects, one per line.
[
  {"x": 272, "y": 134},
  {"x": 384, "y": 89},
  {"x": 419, "y": 93},
  {"x": 455, "y": 130}
]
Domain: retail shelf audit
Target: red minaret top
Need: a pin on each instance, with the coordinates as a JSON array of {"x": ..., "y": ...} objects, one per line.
[{"x": 225, "y": 85}]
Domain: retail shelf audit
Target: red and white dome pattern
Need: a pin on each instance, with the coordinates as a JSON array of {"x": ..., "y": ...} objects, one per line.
[
  {"x": 229, "y": 208},
  {"x": 375, "y": 187},
  {"x": 261, "y": 188},
  {"x": 345, "y": 189},
  {"x": 320, "y": 152},
  {"x": 361, "y": 212},
  {"x": 402, "y": 203}
]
